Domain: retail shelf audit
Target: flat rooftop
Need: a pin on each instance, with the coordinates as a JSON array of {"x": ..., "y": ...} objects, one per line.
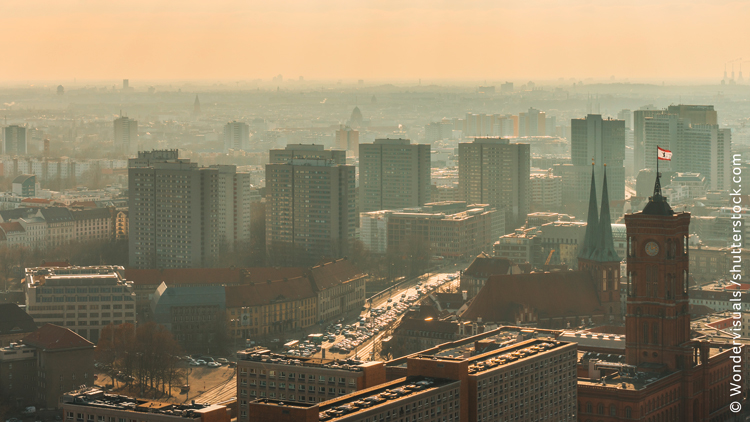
[
  {"x": 381, "y": 395},
  {"x": 94, "y": 397},
  {"x": 491, "y": 340},
  {"x": 68, "y": 276},
  {"x": 265, "y": 356}
]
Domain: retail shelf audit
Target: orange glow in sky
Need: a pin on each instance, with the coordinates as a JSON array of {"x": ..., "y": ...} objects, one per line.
[{"x": 331, "y": 39}]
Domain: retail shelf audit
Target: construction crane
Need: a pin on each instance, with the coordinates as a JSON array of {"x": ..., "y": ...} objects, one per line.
[{"x": 549, "y": 257}]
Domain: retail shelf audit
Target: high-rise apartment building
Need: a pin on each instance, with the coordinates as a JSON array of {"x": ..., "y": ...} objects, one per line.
[
  {"x": 180, "y": 214},
  {"x": 306, "y": 152},
  {"x": 532, "y": 123},
  {"x": 347, "y": 139},
  {"x": 310, "y": 206},
  {"x": 15, "y": 140},
  {"x": 600, "y": 140},
  {"x": 493, "y": 171},
  {"x": 236, "y": 136},
  {"x": 126, "y": 135},
  {"x": 393, "y": 174}
]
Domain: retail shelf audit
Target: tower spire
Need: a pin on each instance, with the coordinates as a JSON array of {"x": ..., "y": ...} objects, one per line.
[
  {"x": 605, "y": 252},
  {"x": 592, "y": 223}
]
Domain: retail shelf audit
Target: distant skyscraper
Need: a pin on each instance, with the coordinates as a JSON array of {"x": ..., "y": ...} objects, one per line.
[
  {"x": 181, "y": 214},
  {"x": 310, "y": 207},
  {"x": 393, "y": 174},
  {"x": 60, "y": 90},
  {"x": 698, "y": 144},
  {"x": 126, "y": 135},
  {"x": 15, "y": 140},
  {"x": 627, "y": 116},
  {"x": 495, "y": 172},
  {"x": 236, "y": 136},
  {"x": 639, "y": 118},
  {"x": 125, "y": 84},
  {"x": 347, "y": 139},
  {"x": 600, "y": 140}
]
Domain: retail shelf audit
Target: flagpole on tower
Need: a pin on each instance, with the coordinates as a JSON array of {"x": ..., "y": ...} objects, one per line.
[{"x": 657, "y": 161}]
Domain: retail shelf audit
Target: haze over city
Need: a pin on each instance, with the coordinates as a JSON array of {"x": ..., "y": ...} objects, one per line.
[
  {"x": 368, "y": 211},
  {"x": 685, "y": 41}
]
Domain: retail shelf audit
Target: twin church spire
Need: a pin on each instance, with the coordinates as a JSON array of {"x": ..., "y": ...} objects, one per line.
[{"x": 598, "y": 244}]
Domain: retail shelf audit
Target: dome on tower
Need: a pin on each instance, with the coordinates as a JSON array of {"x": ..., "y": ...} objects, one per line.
[{"x": 356, "y": 118}]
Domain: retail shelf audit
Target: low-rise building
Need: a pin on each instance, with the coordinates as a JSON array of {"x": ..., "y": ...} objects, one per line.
[
  {"x": 44, "y": 364},
  {"x": 451, "y": 229},
  {"x": 94, "y": 224},
  {"x": 270, "y": 307},
  {"x": 92, "y": 404},
  {"x": 340, "y": 289},
  {"x": 262, "y": 374},
  {"x": 84, "y": 299}
]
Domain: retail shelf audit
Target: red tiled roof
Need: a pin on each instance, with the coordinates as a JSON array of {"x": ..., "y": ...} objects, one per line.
[
  {"x": 267, "y": 292},
  {"x": 334, "y": 273},
  {"x": 37, "y": 200},
  {"x": 184, "y": 276},
  {"x": 550, "y": 295},
  {"x": 210, "y": 276},
  {"x": 485, "y": 266},
  {"x": 263, "y": 274},
  {"x": 54, "y": 337},
  {"x": 84, "y": 204},
  {"x": 12, "y": 227}
]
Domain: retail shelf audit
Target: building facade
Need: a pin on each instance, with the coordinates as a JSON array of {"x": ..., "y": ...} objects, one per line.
[
  {"x": 14, "y": 138},
  {"x": 126, "y": 135},
  {"x": 310, "y": 208},
  {"x": 393, "y": 174},
  {"x": 83, "y": 299},
  {"x": 495, "y": 172}
]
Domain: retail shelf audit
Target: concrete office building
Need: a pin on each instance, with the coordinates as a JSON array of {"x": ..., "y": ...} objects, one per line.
[
  {"x": 639, "y": 136},
  {"x": 126, "y": 135},
  {"x": 698, "y": 144},
  {"x": 180, "y": 214},
  {"x": 83, "y": 299},
  {"x": 236, "y": 136},
  {"x": 309, "y": 205},
  {"x": 600, "y": 140},
  {"x": 493, "y": 171},
  {"x": 14, "y": 137},
  {"x": 393, "y": 174}
]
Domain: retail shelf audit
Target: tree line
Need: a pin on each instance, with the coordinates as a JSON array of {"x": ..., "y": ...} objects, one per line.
[{"x": 145, "y": 356}]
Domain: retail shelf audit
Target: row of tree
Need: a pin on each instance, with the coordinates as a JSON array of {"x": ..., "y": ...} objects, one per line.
[{"x": 145, "y": 356}]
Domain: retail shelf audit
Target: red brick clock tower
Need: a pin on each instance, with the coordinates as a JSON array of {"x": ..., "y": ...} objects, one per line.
[{"x": 658, "y": 319}]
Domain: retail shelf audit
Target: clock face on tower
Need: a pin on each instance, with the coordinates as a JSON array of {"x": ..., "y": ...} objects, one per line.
[{"x": 652, "y": 248}]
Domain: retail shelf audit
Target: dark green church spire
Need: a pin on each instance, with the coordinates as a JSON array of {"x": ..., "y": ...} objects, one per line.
[
  {"x": 605, "y": 251},
  {"x": 592, "y": 223}
]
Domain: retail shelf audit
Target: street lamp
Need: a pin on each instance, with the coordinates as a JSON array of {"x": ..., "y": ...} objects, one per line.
[{"x": 187, "y": 381}]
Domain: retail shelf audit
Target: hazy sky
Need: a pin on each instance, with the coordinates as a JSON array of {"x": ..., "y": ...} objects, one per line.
[{"x": 402, "y": 39}]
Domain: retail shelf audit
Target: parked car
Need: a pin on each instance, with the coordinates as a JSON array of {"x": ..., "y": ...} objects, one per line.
[
  {"x": 213, "y": 364},
  {"x": 222, "y": 360}
]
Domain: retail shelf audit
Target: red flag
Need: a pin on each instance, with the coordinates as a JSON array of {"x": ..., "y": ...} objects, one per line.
[{"x": 664, "y": 154}]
